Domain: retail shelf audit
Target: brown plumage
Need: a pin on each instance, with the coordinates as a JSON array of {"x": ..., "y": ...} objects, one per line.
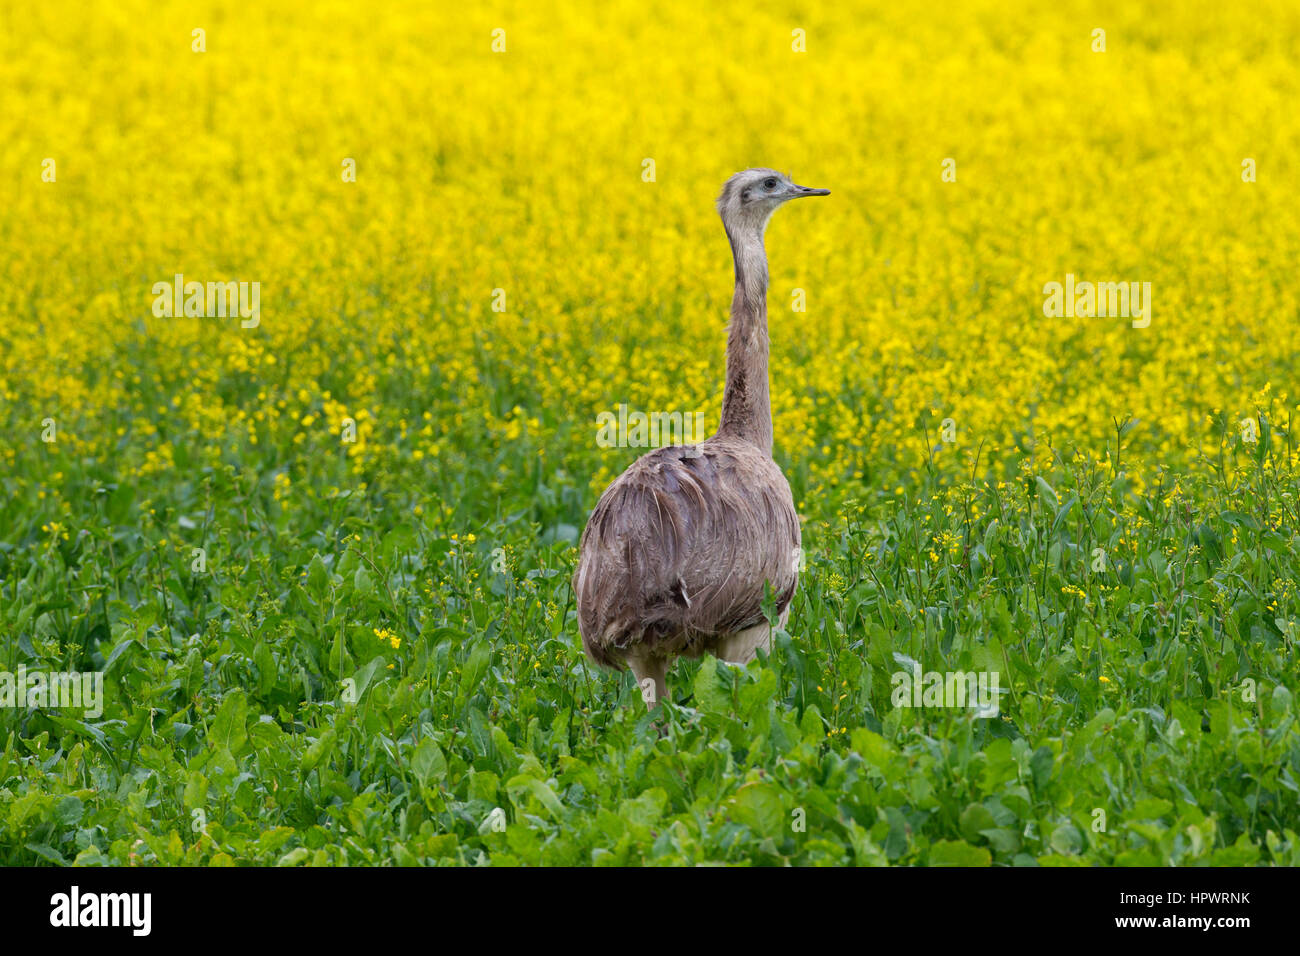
[{"x": 677, "y": 553}]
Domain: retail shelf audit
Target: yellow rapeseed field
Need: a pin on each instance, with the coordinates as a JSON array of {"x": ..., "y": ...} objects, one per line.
[{"x": 522, "y": 170}]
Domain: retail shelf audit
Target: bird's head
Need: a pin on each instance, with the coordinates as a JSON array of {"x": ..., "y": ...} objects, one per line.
[{"x": 749, "y": 198}]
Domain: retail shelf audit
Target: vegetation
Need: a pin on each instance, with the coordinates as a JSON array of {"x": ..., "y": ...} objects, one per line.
[{"x": 319, "y": 650}]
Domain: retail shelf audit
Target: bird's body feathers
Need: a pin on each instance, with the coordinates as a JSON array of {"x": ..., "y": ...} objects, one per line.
[{"x": 676, "y": 555}]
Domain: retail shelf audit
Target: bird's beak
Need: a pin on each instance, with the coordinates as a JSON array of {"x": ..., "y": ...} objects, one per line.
[{"x": 801, "y": 191}]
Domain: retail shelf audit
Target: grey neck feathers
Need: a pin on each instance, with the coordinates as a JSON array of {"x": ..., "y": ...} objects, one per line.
[{"x": 746, "y": 400}]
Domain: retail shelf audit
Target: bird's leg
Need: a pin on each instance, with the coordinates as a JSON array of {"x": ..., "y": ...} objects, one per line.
[
  {"x": 742, "y": 647},
  {"x": 650, "y": 673}
]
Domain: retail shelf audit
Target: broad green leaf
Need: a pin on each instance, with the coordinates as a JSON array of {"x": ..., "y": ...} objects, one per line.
[
  {"x": 957, "y": 853},
  {"x": 428, "y": 762}
]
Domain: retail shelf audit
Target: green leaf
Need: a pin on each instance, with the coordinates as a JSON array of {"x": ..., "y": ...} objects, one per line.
[
  {"x": 480, "y": 656},
  {"x": 228, "y": 729},
  {"x": 318, "y": 579},
  {"x": 68, "y": 811},
  {"x": 196, "y": 790},
  {"x": 428, "y": 762},
  {"x": 646, "y": 809},
  {"x": 758, "y": 806},
  {"x": 974, "y": 819},
  {"x": 1153, "y": 808},
  {"x": 872, "y": 747},
  {"x": 710, "y": 694},
  {"x": 366, "y": 675},
  {"x": 47, "y": 852},
  {"x": 1066, "y": 839},
  {"x": 266, "y": 672},
  {"x": 957, "y": 853},
  {"x": 537, "y": 788},
  {"x": 362, "y": 582},
  {"x": 295, "y": 857},
  {"x": 117, "y": 652},
  {"x": 1047, "y": 493},
  {"x": 318, "y": 750},
  {"x": 1241, "y": 853}
]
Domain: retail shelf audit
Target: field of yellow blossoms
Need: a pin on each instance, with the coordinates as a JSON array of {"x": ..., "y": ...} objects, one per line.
[{"x": 315, "y": 554}]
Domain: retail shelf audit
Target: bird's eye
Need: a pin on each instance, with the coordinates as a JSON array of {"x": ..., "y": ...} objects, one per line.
[{"x": 769, "y": 184}]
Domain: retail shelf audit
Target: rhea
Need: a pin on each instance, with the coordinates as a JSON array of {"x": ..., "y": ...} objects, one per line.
[{"x": 679, "y": 551}]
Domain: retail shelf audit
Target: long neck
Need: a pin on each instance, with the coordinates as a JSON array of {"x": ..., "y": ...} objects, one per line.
[{"x": 746, "y": 401}]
